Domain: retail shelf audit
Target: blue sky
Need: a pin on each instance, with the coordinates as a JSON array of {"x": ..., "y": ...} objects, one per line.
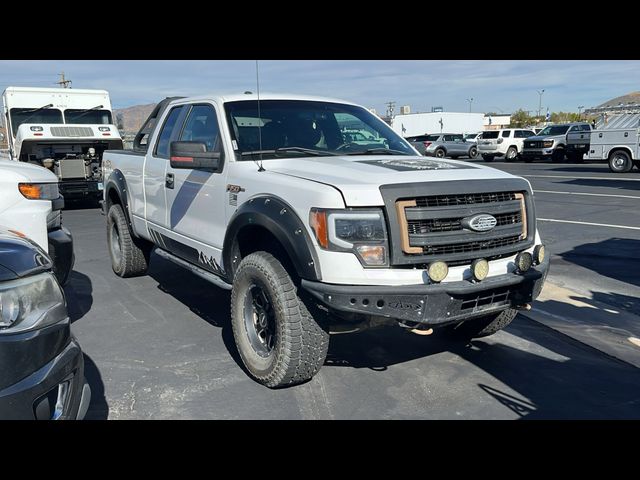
[{"x": 496, "y": 85}]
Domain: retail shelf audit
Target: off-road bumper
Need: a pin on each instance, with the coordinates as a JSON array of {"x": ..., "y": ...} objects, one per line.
[{"x": 434, "y": 304}]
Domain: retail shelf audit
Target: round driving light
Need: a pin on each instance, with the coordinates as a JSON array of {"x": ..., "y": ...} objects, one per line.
[
  {"x": 538, "y": 254},
  {"x": 524, "y": 260},
  {"x": 438, "y": 271},
  {"x": 480, "y": 269}
]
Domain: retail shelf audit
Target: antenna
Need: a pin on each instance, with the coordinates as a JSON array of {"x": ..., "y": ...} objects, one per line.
[
  {"x": 63, "y": 81},
  {"x": 260, "y": 167}
]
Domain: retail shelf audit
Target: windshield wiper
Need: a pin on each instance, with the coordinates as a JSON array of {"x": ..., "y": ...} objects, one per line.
[
  {"x": 276, "y": 151},
  {"x": 378, "y": 151},
  {"x": 87, "y": 110},
  {"x": 33, "y": 112}
]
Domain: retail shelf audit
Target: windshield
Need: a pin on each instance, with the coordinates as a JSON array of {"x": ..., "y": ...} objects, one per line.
[
  {"x": 33, "y": 115},
  {"x": 554, "y": 130},
  {"x": 85, "y": 117},
  {"x": 289, "y": 127}
]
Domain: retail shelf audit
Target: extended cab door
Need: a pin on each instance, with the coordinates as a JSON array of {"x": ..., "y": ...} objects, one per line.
[
  {"x": 196, "y": 197},
  {"x": 155, "y": 168}
]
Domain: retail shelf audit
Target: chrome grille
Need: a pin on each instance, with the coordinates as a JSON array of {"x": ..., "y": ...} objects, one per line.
[
  {"x": 420, "y": 227},
  {"x": 534, "y": 144},
  {"x": 72, "y": 132},
  {"x": 468, "y": 199}
]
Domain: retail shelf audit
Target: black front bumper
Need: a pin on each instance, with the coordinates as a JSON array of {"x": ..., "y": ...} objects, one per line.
[
  {"x": 61, "y": 253},
  {"x": 36, "y": 365},
  {"x": 434, "y": 304},
  {"x": 74, "y": 189}
]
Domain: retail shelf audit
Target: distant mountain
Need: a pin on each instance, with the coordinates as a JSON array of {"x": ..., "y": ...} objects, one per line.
[
  {"x": 134, "y": 117},
  {"x": 633, "y": 97}
]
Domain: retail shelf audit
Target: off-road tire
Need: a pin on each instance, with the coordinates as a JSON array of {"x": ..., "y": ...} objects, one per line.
[
  {"x": 301, "y": 342},
  {"x": 558, "y": 155},
  {"x": 134, "y": 253},
  {"x": 480, "y": 327}
]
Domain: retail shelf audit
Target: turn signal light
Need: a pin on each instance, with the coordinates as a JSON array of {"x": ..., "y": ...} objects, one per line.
[{"x": 318, "y": 221}]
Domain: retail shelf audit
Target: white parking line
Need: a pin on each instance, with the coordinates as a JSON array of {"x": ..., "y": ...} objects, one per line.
[
  {"x": 588, "y": 223},
  {"x": 588, "y": 194},
  {"x": 584, "y": 178}
]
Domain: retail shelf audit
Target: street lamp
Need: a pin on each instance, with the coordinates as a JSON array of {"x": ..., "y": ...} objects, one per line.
[
  {"x": 580, "y": 112},
  {"x": 470, "y": 100},
  {"x": 540, "y": 92}
]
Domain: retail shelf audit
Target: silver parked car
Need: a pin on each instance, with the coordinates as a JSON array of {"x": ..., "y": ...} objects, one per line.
[
  {"x": 419, "y": 142},
  {"x": 452, "y": 145}
]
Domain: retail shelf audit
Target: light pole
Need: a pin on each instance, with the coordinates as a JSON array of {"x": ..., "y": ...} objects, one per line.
[
  {"x": 580, "y": 112},
  {"x": 540, "y": 92},
  {"x": 470, "y": 100}
]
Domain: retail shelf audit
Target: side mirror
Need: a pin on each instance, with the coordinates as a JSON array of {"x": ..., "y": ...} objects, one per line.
[{"x": 193, "y": 155}]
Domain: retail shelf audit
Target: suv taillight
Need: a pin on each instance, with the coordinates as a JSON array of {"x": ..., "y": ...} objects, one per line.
[
  {"x": 500, "y": 140},
  {"x": 426, "y": 144}
]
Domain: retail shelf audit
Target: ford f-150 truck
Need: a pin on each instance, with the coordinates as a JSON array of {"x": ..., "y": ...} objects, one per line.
[
  {"x": 557, "y": 141},
  {"x": 315, "y": 234}
]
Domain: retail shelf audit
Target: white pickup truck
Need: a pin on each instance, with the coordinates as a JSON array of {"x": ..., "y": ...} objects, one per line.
[{"x": 313, "y": 233}]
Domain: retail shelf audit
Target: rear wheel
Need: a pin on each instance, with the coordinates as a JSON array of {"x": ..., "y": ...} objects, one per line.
[
  {"x": 511, "y": 155},
  {"x": 279, "y": 341},
  {"x": 487, "y": 158},
  {"x": 473, "y": 152},
  {"x": 129, "y": 255},
  {"x": 620, "y": 162},
  {"x": 480, "y": 327},
  {"x": 440, "y": 153}
]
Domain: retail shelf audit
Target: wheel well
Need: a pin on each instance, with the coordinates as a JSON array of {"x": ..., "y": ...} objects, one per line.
[
  {"x": 513, "y": 146},
  {"x": 113, "y": 198},
  {"x": 255, "y": 238},
  {"x": 620, "y": 149}
]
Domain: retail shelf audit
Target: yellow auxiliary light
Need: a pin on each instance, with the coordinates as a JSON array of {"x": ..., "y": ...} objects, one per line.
[
  {"x": 538, "y": 254},
  {"x": 524, "y": 260},
  {"x": 480, "y": 269},
  {"x": 438, "y": 271}
]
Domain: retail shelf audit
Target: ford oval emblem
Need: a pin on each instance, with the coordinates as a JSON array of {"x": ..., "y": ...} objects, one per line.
[{"x": 480, "y": 223}]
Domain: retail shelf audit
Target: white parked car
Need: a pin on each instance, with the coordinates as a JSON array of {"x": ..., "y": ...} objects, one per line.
[
  {"x": 30, "y": 206},
  {"x": 507, "y": 143}
]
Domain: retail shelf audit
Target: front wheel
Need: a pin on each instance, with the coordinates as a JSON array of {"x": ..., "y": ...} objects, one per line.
[
  {"x": 620, "y": 162},
  {"x": 279, "y": 341},
  {"x": 129, "y": 255},
  {"x": 558, "y": 155},
  {"x": 480, "y": 327}
]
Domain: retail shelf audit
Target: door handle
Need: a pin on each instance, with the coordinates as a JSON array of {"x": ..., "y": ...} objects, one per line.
[{"x": 168, "y": 182}]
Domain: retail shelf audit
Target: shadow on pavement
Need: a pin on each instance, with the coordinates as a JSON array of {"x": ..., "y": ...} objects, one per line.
[
  {"x": 79, "y": 295},
  {"x": 595, "y": 183},
  {"x": 98, "y": 408},
  {"x": 81, "y": 204},
  {"x": 617, "y": 258}
]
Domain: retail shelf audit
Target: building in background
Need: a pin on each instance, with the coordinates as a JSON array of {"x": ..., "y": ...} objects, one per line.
[{"x": 496, "y": 122}]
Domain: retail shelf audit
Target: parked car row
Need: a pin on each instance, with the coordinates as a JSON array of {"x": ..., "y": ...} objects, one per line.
[{"x": 452, "y": 145}]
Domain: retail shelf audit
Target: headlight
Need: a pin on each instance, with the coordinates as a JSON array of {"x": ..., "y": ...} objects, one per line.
[
  {"x": 548, "y": 143},
  {"x": 39, "y": 191},
  {"x": 36, "y": 129},
  {"x": 30, "y": 303},
  {"x": 362, "y": 232}
]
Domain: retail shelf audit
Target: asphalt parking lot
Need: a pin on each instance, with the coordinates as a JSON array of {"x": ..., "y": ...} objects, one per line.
[{"x": 161, "y": 346}]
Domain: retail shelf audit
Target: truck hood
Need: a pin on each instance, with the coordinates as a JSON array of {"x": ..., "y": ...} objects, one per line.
[
  {"x": 359, "y": 177},
  {"x": 26, "y": 172}
]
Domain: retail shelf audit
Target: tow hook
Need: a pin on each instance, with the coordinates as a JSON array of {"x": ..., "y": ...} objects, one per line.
[
  {"x": 415, "y": 327},
  {"x": 526, "y": 307}
]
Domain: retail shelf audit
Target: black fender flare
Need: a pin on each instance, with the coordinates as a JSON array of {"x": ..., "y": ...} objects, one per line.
[
  {"x": 117, "y": 182},
  {"x": 276, "y": 216}
]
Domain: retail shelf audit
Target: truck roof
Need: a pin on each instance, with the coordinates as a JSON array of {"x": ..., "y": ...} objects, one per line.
[
  {"x": 52, "y": 90},
  {"x": 234, "y": 97}
]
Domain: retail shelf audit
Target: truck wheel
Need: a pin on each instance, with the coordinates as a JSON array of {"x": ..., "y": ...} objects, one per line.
[
  {"x": 473, "y": 151},
  {"x": 129, "y": 256},
  {"x": 511, "y": 154},
  {"x": 440, "y": 153},
  {"x": 487, "y": 158},
  {"x": 279, "y": 341},
  {"x": 619, "y": 162},
  {"x": 480, "y": 327},
  {"x": 558, "y": 155}
]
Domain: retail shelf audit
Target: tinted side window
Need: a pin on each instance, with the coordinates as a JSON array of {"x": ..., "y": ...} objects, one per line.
[
  {"x": 432, "y": 138},
  {"x": 506, "y": 133},
  {"x": 448, "y": 138},
  {"x": 168, "y": 129},
  {"x": 202, "y": 126}
]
